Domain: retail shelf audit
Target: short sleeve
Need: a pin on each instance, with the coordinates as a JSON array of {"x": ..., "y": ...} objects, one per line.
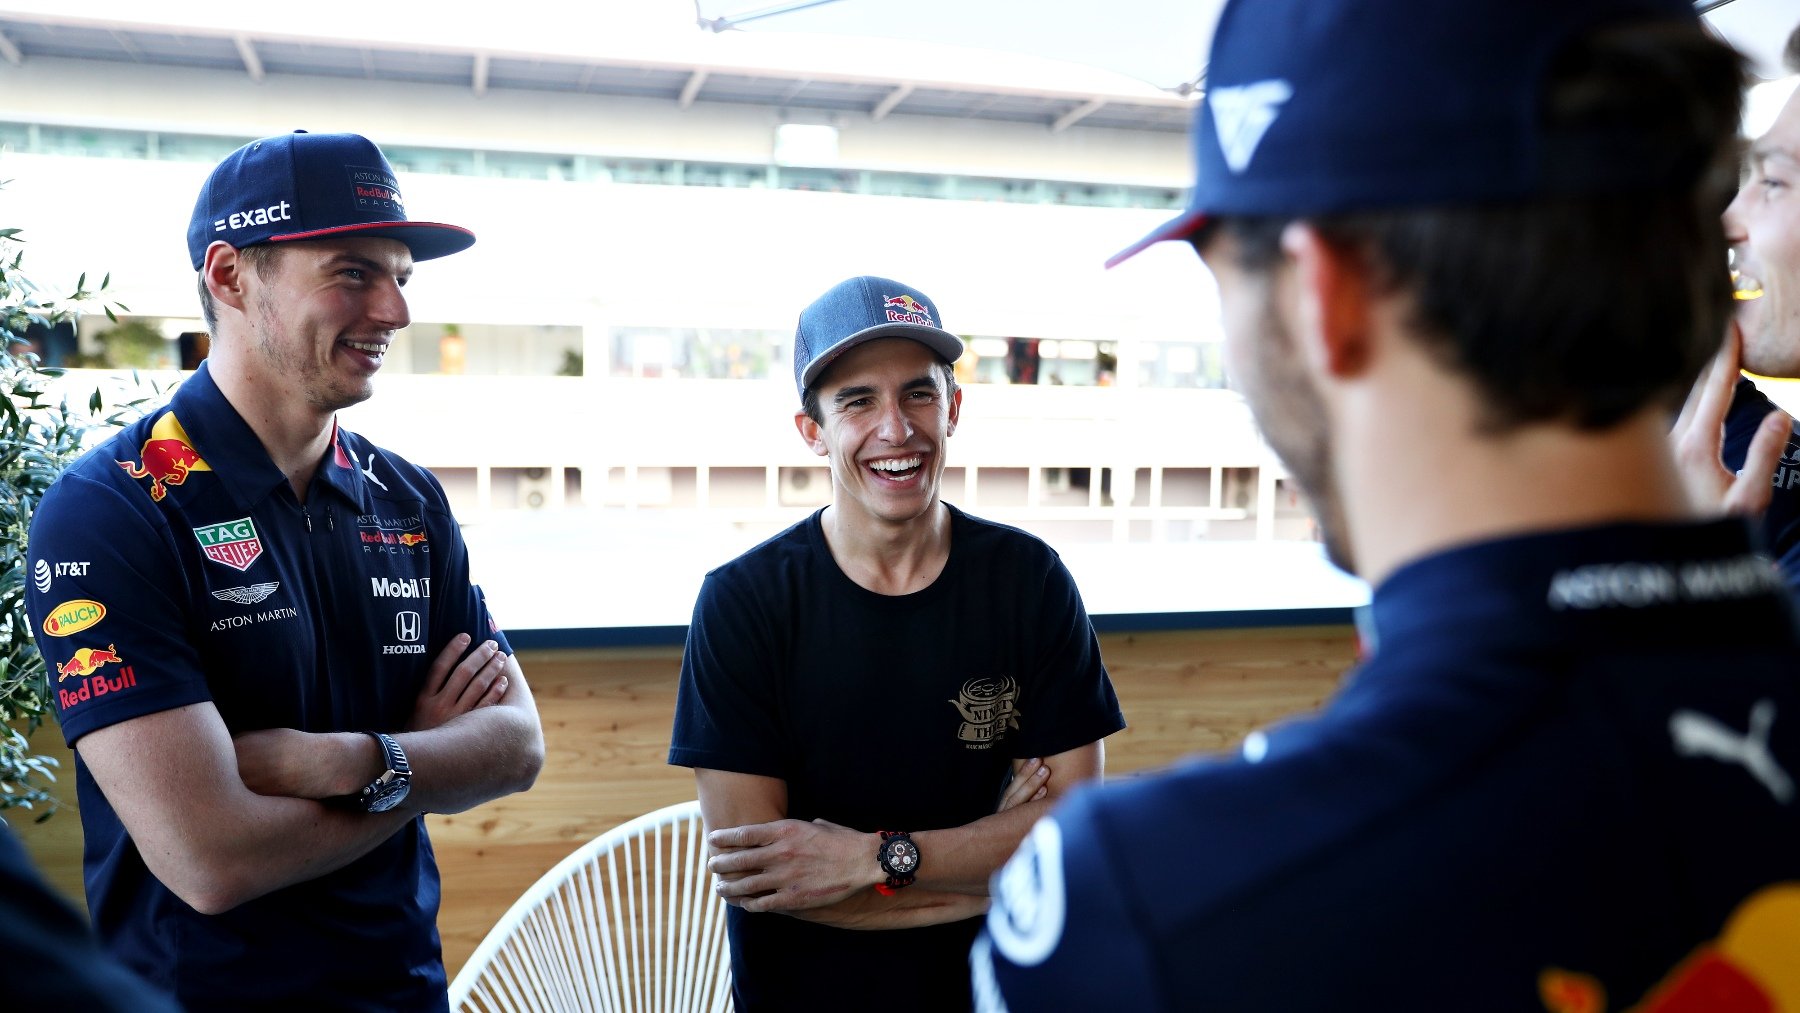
[
  {"x": 1070, "y": 696},
  {"x": 108, "y": 602},
  {"x": 727, "y": 709},
  {"x": 1058, "y": 934}
]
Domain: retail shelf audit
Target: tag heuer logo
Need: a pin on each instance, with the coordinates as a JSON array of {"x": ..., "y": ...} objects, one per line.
[{"x": 233, "y": 543}]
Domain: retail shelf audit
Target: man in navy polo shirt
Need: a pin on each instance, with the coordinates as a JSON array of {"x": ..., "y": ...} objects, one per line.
[
  {"x": 1755, "y": 470},
  {"x": 857, "y": 690},
  {"x": 1469, "y": 258},
  {"x": 261, "y": 624}
]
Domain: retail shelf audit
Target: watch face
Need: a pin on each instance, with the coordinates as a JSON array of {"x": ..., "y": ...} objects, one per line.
[
  {"x": 902, "y": 857},
  {"x": 387, "y": 796}
]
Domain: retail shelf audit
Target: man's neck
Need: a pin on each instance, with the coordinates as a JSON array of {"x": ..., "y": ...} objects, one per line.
[
  {"x": 294, "y": 434},
  {"x": 887, "y": 557},
  {"x": 1433, "y": 486}
]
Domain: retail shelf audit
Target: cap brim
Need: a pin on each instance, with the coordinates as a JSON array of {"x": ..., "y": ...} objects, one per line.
[
  {"x": 948, "y": 346},
  {"x": 1182, "y": 227},
  {"x": 426, "y": 240}
]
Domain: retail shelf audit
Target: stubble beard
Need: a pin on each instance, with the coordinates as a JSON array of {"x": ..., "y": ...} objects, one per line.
[
  {"x": 1288, "y": 411},
  {"x": 291, "y": 368}
]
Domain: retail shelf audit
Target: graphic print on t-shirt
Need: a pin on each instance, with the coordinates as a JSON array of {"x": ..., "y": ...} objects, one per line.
[{"x": 989, "y": 708}]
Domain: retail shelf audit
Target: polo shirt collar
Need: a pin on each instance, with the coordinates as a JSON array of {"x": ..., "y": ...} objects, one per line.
[
  {"x": 231, "y": 448},
  {"x": 1638, "y": 583}
]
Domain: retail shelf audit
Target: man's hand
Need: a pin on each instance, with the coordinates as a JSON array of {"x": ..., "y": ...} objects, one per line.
[
  {"x": 455, "y": 687},
  {"x": 1699, "y": 434},
  {"x": 789, "y": 865},
  {"x": 1029, "y": 783}
]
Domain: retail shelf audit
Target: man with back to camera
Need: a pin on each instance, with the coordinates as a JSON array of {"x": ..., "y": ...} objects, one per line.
[
  {"x": 1469, "y": 259},
  {"x": 261, "y": 623},
  {"x": 880, "y": 669}
]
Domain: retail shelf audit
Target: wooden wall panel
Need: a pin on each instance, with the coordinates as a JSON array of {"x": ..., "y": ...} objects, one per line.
[{"x": 606, "y": 728}]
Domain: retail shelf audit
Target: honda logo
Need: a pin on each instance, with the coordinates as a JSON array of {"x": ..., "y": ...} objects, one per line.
[{"x": 406, "y": 626}]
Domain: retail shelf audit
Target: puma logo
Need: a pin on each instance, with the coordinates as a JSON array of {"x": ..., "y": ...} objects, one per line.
[
  {"x": 1697, "y": 734},
  {"x": 368, "y": 471}
]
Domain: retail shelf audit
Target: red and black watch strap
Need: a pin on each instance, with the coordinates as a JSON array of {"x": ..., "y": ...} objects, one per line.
[{"x": 899, "y": 859}]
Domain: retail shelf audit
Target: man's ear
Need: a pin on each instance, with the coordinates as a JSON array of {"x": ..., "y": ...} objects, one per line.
[
  {"x": 1335, "y": 302},
  {"x": 955, "y": 410},
  {"x": 811, "y": 433},
  {"x": 223, "y": 271}
]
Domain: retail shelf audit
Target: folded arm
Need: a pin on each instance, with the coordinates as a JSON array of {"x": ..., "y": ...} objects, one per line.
[
  {"x": 474, "y": 736},
  {"x": 221, "y": 822},
  {"x": 172, "y": 778},
  {"x": 824, "y": 872}
]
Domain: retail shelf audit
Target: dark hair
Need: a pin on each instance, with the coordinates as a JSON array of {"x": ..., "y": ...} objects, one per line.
[
  {"x": 260, "y": 257},
  {"x": 1581, "y": 309},
  {"x": 1791, "y": 55},
  {"x": 809, "y": 401}
]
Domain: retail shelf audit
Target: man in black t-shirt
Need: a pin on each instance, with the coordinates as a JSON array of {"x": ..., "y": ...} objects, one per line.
[{"x": 857, "y": 691}]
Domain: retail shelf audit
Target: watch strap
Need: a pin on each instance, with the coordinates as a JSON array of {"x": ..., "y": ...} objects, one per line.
[{"x": 396, "y": 769}]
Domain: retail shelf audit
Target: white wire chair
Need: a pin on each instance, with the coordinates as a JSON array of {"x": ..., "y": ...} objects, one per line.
[{"x": 629, "y": 923}]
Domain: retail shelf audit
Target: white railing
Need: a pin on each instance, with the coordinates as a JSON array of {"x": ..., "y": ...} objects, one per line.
[{"x": 1156, "y": 461}]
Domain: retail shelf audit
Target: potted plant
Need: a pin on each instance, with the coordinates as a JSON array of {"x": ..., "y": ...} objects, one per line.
[{"x": 38, "y": 438}]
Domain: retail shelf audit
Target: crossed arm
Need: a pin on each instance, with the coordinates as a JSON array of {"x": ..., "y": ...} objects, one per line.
[
  {"x": 221, "y": 822},
  {"x": 825, "y": 873}
]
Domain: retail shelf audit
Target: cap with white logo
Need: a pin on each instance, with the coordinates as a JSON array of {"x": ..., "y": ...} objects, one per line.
[
  {"x": 310, "y": 186},
  {"x": 1318, "y": 107}
]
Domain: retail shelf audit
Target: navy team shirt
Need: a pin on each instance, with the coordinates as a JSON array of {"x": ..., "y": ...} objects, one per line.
[
  {"x": 173, "y": 565},
  {"x": 1563, "y": 780},
  {"x": 1781, "y": 521}
]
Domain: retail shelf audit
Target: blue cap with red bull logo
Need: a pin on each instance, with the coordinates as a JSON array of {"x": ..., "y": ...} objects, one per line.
[
  {"x": 863, "y": 309},
  {"x": 1305, "y": 115},
  {"x": 310, "y": 186}
]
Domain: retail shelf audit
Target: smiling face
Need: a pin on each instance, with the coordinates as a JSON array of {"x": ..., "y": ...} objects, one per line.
[
  {"x": 321, "y": 316},
  {"x": 1763, "y": 227},
  {"x": 886, "y": 414}
]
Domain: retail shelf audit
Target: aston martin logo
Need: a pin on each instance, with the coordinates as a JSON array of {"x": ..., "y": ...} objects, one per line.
[{"x": 248, "y": 595}]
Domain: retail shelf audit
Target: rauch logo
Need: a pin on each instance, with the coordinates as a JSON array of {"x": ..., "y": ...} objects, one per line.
[{"x": 73, "y": 617}]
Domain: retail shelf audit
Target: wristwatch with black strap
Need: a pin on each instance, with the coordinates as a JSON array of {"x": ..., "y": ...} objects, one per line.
[
  {"x": 391, "y": 788},
  {"x": 899, "y": 858}
]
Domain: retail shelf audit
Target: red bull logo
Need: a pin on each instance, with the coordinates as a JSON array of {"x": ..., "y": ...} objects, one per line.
[
  {"x": 1750, "y": 966},
  {"x": 87, "y": 661},
  {"x": 167, "y": 458},
  {"x": 73, "y": 616},
  {"x": 905, "y": 309},
  {"x": 96, "y": 686},
  {"x": 412, "y": 538}
]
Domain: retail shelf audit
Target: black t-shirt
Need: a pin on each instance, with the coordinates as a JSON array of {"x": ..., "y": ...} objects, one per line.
[
  {"x": 1564, "y": 778},
  {"x": 883, "y": 712}
]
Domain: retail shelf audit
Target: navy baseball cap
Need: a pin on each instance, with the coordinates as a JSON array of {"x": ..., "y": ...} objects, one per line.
[
  {"x": 1317, "y": 107},
  {"x": 860, "y": 310},
  {"x": 310, "y": 186}
]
